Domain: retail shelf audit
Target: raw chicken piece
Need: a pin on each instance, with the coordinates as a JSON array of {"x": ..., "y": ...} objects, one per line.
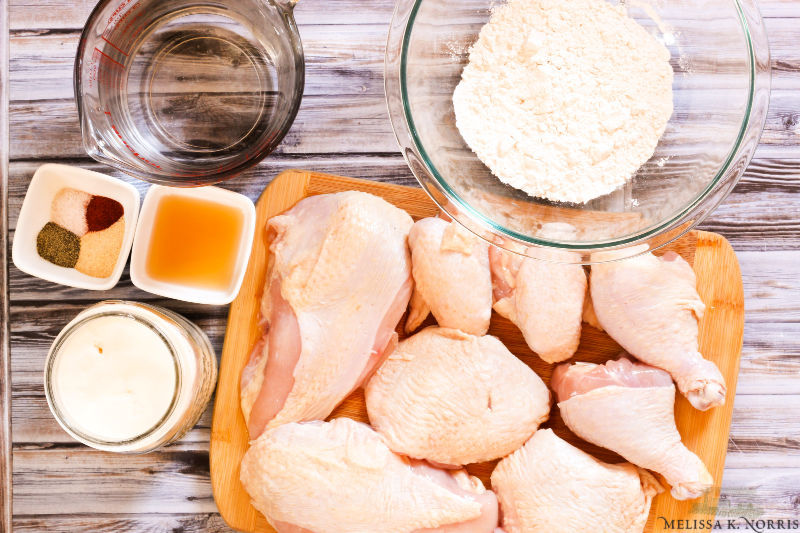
[
  {"x": 542, "y": 297},
  {"x": 338, "y": 283},
  {"x": 580, "y": 378},
  {"x": 454, "y": 398},
  {"x": 549, "y": 485},
  {"x": 451, "y": 275},
  {"x": 629, "y": 408},
  {"x": 340, "y": 477},
  {"x": 650, "y": 306}
]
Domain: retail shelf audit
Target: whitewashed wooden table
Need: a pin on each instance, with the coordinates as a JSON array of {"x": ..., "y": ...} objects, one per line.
[{"x": 343, "y": 128}]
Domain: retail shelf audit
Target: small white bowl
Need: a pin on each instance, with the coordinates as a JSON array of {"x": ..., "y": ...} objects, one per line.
[
  {"x": 35, "y": 213},
  {"x": 187, "y": 293}
]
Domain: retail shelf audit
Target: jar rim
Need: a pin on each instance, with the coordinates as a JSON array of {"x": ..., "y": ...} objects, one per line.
[{"x": 52, "y": 356}]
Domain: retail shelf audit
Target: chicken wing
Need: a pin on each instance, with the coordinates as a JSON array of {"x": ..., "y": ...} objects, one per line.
[
  {"x": 451, "y": 276},
  {"x": 543, "y": 297}
]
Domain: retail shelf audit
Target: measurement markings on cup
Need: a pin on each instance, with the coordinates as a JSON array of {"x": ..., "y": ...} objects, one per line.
[
  {"x": 120, "y": 65},
  {"x": 112, "y": 45},
  {"x": 128, "y": 146}
]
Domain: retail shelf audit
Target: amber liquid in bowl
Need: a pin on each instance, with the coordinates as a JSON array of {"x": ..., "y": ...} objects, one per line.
[{"x": 195, "y": 242}]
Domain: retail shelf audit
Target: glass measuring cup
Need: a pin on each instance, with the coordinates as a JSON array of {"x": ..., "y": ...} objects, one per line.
[{"x": 187, "y": 92}]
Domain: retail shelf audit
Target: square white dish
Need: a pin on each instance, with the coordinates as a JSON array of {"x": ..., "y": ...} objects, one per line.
[
  {"x": 35, "y": 213},
  {"x": 144, "y": 230}
]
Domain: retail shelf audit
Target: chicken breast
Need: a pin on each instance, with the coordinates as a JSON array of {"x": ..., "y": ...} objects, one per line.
[
  {"x": 454, "y": 398},
  {"x": 451, "y": 275},
  {"x": 338, "y": 284},
  {"x": 650, "y": 306},
  {"x": 543, "y": 297},
  {"x": 549, "y": 485},
  {"x": 340, "y": 477},
  {"x": 628, "y": 408}
]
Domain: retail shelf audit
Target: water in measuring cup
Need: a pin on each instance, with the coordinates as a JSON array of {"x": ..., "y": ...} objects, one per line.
[{"x": 197, "y": 84}]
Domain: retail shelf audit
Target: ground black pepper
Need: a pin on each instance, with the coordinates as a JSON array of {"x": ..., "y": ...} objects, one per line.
[{"x": 58, "y": 245}]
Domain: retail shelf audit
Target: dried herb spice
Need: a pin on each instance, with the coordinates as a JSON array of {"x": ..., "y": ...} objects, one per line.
[{"x": 58, "y": 245}]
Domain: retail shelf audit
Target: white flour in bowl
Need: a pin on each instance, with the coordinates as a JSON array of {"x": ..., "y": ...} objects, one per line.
[{"x": 564, "y": 99}]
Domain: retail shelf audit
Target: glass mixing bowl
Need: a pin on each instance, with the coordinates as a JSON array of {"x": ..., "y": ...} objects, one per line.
[{"x": 720, "y": 58}]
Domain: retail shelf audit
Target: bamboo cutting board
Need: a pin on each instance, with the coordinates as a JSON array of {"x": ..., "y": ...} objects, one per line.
[{"x": 719, "y": 283}]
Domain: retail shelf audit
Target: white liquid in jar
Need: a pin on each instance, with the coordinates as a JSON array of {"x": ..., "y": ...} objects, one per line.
[{"x": 114, "y": 378}]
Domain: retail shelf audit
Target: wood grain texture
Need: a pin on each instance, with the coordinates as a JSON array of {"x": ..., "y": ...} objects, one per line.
[
  {"x": 762, "y": 214},
  {"x": 719, "y": 285},
  {"x": 56, "y": 14},
  {"x": 57, "y": 133},
  {"x": 5, "y": 355},
  {"x": 343, "y": 42},
  {"x": 124, "y": 523}
]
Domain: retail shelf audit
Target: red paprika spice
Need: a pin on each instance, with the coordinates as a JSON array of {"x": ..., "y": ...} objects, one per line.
[{"x": 102, "y": 212}]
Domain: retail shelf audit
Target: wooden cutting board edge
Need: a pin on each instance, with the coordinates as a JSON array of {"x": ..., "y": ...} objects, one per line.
[{"x": 707, "y": 434}]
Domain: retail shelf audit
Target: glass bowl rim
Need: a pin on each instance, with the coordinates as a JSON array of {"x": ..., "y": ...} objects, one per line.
[{"x": 641, "y": 236}]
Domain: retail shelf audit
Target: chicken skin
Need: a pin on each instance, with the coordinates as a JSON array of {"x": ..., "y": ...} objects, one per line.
[
  {"x": 340, "y": 477},
  {"x": 454, "y": 399},
  {"x": 452, "y": 279},
  {"x": 628, "y": 408},
  {"x": 339, "y": 281},
  {"x": 543, "y": 297},
  {"x": 650, "y": 306},
  {"x": 549, "y": 485}
]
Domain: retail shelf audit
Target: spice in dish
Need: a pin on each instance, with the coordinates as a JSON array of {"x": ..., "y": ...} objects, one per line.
[
  {"x": 100, "y": 250},
  {"x": 58, "y": 245},
  {"x": 102, "y": 212},
  {"x": 68, "y": 210},
  {"x": 85, "y": 232},
  {"x": 195, "y": 242}
]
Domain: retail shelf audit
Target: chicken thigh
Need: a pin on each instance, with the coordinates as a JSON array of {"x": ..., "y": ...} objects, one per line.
[
  {"x": 650, "y": 306},
  {"x": 628, "y": 408},
  {"x": 451, "y": 276},
  {"x": 454, "y": 399},
  {"x": 549, "y": 485},
  {"x": 543, "y": 297},
  {"x": 339, "y": 281},
  {"x": 340, "y": 477}
]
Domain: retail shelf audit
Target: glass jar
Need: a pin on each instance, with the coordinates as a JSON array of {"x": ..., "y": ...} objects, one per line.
[{"x": 129, "y": 377}]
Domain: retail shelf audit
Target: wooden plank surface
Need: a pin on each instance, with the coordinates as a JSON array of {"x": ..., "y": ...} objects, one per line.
[
  {"x": 5, "y": 362},
  {"x": 343, "y": 41},
  {"x": 719, "y": 284}
]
